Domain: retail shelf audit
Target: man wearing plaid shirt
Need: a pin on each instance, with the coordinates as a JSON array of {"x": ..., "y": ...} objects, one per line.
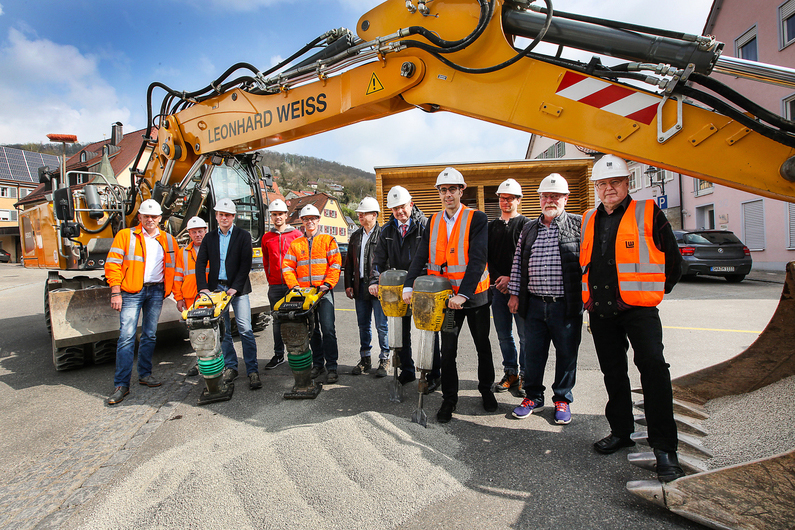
[{"x": 545, "y": 288}]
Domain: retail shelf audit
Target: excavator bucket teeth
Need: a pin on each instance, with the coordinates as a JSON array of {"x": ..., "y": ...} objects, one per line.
[{"x": 755, "y": 495}]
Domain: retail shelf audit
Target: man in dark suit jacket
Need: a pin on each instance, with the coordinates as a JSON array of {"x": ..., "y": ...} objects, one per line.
[{"x": 228, "y": 251}]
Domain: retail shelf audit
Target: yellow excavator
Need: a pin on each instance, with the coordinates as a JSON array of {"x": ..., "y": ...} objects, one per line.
[{"x": 478, "y": 58}]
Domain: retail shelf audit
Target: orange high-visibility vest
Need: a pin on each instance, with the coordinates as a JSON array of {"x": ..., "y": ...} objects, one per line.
[
  {"x": 449, "y": 258},
  {"x": 185, "y": 277},
  {"x": 322, "y": 266},
  {"x": 639, "y": 263},
  {"x": 126, "y": 260}
]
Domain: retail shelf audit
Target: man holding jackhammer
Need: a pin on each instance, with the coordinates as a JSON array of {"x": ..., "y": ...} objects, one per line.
[
  {"x": 314, "y": 261},
  {"x": 455, "y": 246}
]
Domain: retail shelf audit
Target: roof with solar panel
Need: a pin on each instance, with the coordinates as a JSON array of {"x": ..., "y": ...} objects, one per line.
[{"x": 22, "y": 166}]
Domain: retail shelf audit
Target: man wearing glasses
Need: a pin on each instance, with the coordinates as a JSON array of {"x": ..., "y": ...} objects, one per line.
[
  {"x": 315, "y": 261},
  {"x": 455, "y": 246},
  {"x": 630, "y": 259},
  {"x": 503, "y": 236},
  {"x": 545, "y": 290},
  {"x": 274, "y": 247}
]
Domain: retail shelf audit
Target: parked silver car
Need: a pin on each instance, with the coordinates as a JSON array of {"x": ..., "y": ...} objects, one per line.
[{"x": 713, "y": 252}]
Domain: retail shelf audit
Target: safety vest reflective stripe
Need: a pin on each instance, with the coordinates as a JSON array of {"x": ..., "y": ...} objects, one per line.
[
  {"x": 641, "y": 286},
  {"x": 641, "y": 267}
]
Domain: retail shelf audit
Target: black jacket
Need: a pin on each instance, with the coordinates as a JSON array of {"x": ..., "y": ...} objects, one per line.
[
  {"x": 352, "y": 260},
  {"x": 569, "y": 243},
  {"x": 478, "y": 259},
  {"x": 238, "y": 261},
  {"x": 394, "y": 251}
]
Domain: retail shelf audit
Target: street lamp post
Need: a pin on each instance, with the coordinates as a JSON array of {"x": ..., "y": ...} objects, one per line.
[{"x": 656, "y": 178}]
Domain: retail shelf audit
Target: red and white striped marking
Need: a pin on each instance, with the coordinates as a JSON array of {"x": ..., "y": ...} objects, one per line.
[{"x": 632, "y": 104}]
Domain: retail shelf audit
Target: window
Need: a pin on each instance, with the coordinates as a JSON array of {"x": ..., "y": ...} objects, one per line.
[
  {"x": 791, "y": 231},
  {"x": 333, "y": 230},
  {"x": 745, "y": 46},
  {"x": 634, "y": 179},
  {"x": 8, "y": 192},
  {"x": 342, "y": 231},
  {"x": 754, "y": 224},
  {"x": 8, "y": 215},
  {"x": 83, "y": 156},
  {"x": 705, "y": 217},
  {"x": 560, "y": 150},
  {"x": 703, "y": 187},
  {"x": 788, "y": 106},
  {"x": 786, "y": 15},
  {"x": 24, "y": 192}
]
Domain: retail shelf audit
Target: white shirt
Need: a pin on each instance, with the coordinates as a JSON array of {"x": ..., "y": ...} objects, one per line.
[
  {"x": 450, "y": 221},
  {"x": 153, "y": 267},
  {"x": 365, "y": 237}
]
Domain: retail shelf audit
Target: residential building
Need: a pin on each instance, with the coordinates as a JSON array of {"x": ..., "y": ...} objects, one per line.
[
  {"x": 645, "y": 182},
  {"x": 761, "y": 31},
  {"x": 332, "y": 220},
  {"x": 19, "y": 176}
]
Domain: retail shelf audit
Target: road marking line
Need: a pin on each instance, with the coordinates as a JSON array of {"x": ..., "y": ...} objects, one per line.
[{"x": 714, "y": 329}]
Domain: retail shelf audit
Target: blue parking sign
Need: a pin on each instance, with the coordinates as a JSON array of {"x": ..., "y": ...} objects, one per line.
[{"x": 662, "y": 202}]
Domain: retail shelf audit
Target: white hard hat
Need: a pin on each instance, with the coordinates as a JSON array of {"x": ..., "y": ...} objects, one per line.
[
  {"x": 450, "y": 175},
  {"x": 397, "y": 196},
  {"x": 368, "y": 204},
  {"x": 225, "y": 206},
  {"x": 554, "y": 183},
  {"x": 510, "y": 187},
  {"x": 277, "y": 205},
  {"x": 609, "y": 166},
  {"x": 150, "y": 207},
  {"x": 196, "y": 222},
  {"x": 309, "y": 210}
]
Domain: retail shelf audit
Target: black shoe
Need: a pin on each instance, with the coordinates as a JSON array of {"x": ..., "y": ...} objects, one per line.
[
  {"x": 149, "y": 381},
  {"x": 118, "y": 395},
  {"x": 229, "y": 375},
  {"x": 382, "y": 366},
  {"x": 610, "y": 444},
  {"x": 332, "y": 377},
  {"x": 317, "y": 371},
  {"x": 489, "y": 401},
  {"x": 445, "y": 413},
  {"x": 254, "y": 382},
  {"x": 193, "y": 371},
  {"x": 363, "y": 367},
  {"x": 275, "y": 361},
  {"x": 668, "y": 467},
  {"x": 406, "y": 377},
  {"x": 433, "y": 384}
]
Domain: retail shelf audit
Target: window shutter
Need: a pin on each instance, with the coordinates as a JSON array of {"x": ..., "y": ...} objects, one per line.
[
  {"x": 791, "y": 211},
  {"x": 754, "y": 224}
]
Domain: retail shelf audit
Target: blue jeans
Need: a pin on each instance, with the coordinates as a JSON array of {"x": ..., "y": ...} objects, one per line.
[
  {"x": 367, "y": 305},
  {"x": 324, "y": 337},
  {"x": 545, "y": 322},
  {"x": 503, "y": 324},
  {"x": 276, "y": 293},
  {"x": 148, "y": 300},
  {"x": 242, "y": 307}
]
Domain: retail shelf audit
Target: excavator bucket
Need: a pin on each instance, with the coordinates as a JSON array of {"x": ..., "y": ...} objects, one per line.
[
  {"x": 757, "y": 494},
  {"x": 84, "y": 327}
]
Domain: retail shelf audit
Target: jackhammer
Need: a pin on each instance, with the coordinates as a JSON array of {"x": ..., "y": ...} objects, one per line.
[
  {"x": 205, "y": 320},
  {"x": 429, "y": 308},
  {"x": 390, "y": 294},
  {"x": 297, "y": 313}
]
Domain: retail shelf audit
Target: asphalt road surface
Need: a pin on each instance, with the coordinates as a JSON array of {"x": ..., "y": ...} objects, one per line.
[{"x": 68, "y": 458}]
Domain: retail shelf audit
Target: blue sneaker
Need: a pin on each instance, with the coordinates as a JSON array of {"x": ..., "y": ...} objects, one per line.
[
  {"x": 562, "y": 413},
  {"x": 526, "y": 408}
]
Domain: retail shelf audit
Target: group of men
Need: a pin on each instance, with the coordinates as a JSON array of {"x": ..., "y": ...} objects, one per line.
[{"x": 616, "y": 261}]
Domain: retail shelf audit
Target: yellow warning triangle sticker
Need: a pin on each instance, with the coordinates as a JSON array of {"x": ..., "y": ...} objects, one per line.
[{"x": 375, "y": 85}]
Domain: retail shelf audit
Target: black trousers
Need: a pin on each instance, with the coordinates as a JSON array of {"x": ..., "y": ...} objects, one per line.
[
  {"x": 641, "y": 327},
  {"x": 479, "y": 321}
]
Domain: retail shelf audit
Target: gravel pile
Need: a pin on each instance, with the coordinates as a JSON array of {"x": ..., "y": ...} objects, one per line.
[
  {"x": 366, "y": 471},
  {"x": 751, "y": 426}
]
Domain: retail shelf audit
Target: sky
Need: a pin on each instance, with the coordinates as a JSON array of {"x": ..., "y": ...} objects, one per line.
[{"x": 77, "y": 67}]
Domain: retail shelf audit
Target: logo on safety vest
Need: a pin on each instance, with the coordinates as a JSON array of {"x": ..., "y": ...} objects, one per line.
[
  {"x": 452, "y": 251},
  {"x": 630, "y": 244}
]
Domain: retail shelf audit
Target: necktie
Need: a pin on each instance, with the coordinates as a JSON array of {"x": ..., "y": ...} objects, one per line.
[{"x": 403, "y": 230}]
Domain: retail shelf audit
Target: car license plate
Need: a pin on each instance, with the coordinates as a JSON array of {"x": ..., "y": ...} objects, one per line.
[{"x": 721, "y": 269}]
